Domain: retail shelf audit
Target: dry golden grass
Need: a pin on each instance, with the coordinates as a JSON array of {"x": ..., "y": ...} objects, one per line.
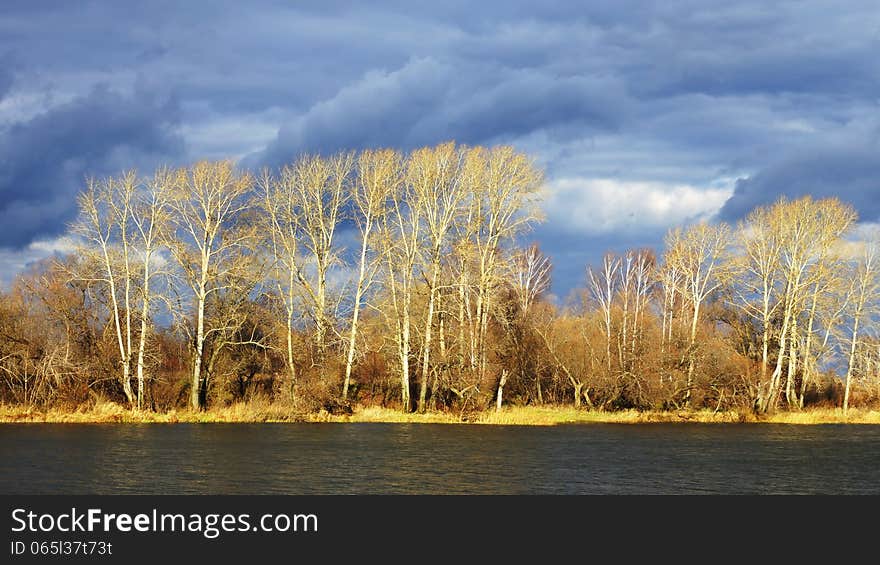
[
  {"x": 551, "y": 415},
  {"x": 103, "y": 412},
  {"x": 263, "y": 411},
  {"x": 826, "y": 416},
  {"x": 379, "y": 414}
]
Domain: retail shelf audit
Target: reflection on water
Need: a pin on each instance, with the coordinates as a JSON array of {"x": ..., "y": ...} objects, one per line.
[{"x": 442, "y": 458}]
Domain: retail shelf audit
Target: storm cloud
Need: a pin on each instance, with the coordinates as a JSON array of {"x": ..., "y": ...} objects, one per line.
[
  {"x": 6, "y": 77},
  {"x": 44, "y": 160},
  {"x": 643, "y": 114},
  {"x": 849, "y": 173},
  {"x": 429, "y": 101}
]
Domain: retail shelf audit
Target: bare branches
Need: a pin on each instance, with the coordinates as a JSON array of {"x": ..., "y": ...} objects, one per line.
[
  {"x": 530, "y": 275},
  {"x": 213, "y": 246}
]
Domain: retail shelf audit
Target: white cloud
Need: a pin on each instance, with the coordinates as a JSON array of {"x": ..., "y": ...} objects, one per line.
[
  {"x": 13, "y": 262},
  {"x": 853, "y": 244},
  {"x": 221, "y": 137},
  {"x": 601, "y": 205}
]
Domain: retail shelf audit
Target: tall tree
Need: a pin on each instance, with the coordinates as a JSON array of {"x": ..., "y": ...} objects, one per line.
[
  {"x": 506, "y": 187},
  {"x": 319, "y": 188},
  {"x": 865, "y": 286},
  {"x": 150, "y": 217},
  {"x": 378, "y": 177},
  {"x": 104, "y": 224},
  {"x": 756, "y": 275},
  {"x": 434, "y": 174},
  {"x": 603, "y": 289},
  {"x": 280, "y": 215},
  {"x": 805, "y": 227},
  {"x": 212, "y": 246},
  {"x": 529, "y": 276},
  {"x": 697, "y": 253},
  {"x": 402, "y": 244}
]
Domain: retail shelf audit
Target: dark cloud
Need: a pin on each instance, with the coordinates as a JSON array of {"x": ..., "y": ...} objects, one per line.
[
  {"x": 779, "y": 95},
  {"x": 44, "y": 160},
  {"x": 6, "y": 80},
  {"x": 849, "y": 173},
  {"x": 7, "y": 74},
  {"x": 428, "y": 101}
]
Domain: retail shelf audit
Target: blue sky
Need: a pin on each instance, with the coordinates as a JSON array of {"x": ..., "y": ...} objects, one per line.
[{"x": 643, "y": 114}]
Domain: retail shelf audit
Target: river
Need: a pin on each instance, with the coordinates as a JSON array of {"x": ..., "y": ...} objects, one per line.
[{"x": 438, "y": 459}]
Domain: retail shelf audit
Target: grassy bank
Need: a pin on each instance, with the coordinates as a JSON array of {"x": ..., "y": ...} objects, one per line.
[{"x": 108, "y": 412}]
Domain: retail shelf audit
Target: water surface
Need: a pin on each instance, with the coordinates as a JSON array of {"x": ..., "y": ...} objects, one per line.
[{"x": 438, "y": 459}]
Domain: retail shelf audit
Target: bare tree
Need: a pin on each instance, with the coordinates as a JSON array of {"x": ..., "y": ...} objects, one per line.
[
  {"x": 464, "y": 252},
  {"x": 625, "y": 284},
  {"x": 378, "y": 177},
  {"x": 697, "y": 253},
  {"x": 805, "y": 227},
  {"x": 529, "y": 275},
  {"x": 320, "y": 188},
  {"x": 670, "y": 282},
  {"x": 506, "y": 188},
  {"x": 529, "y": 271},
  {"x": 756, "y": 275},
  {"x": 865, "y": 286},
  {"x": 566, "y": 341},
  {"x": 603, "y": 290},
  {"x": 150, "y": 216},
  {"x": 634, "y": 285},
  {"x": 643, "y": 279},
  {"x": 105, "y": 219},
  {"x": 402, "y": 237},
  {"x": 434, "y": 174},
  {"x": 280, "y": 215},
  {"x": 212, "y": 246}
]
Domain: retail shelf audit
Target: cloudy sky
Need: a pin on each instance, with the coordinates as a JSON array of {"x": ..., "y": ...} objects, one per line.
[{"x": 643, "y": 114}]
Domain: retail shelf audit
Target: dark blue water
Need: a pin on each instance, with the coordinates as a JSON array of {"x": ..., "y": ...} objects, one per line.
[{"x": 442, "y": 458}]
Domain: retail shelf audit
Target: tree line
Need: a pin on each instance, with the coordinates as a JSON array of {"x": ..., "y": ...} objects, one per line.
[{"x": 399, "y": 279}]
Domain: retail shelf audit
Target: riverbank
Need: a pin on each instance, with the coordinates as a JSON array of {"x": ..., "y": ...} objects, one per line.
[{"x": 108, "y": 412}]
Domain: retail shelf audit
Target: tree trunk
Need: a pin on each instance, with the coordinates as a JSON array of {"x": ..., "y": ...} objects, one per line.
[
  {"x": 126, "y": 385},
  {"x": 500, "y": 394},
  {"x": 792, "y": 365},
  {"x": 607, "y": 315},
  {"x": 461, "y": 291},
  {"x": 692, "y": 354},
  {"x": 429, "y": 322},
  {"x": 586, "y": 394},
  {"x": 352, "y": 337},
  {"x": 123, "y": 356},
  {"x": 142, "y": 343},
  {"x": 538, "y": 386},
  {"x": 404, "y": 361},
  {"x": 291, "y": 367},
  {"x": 852, "y": 358},
  {"x": 765, "y": 337},
  {"x": 773, "y": 392},
  {"x": 807, "y": 365},
  {"x": 196, "y": 392},
  {"x": 578, "y": 391},
  {"x": 320, "y": 318},
  {"x": 622, "y": 339},
  {"x": 441, "y": 328}
]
